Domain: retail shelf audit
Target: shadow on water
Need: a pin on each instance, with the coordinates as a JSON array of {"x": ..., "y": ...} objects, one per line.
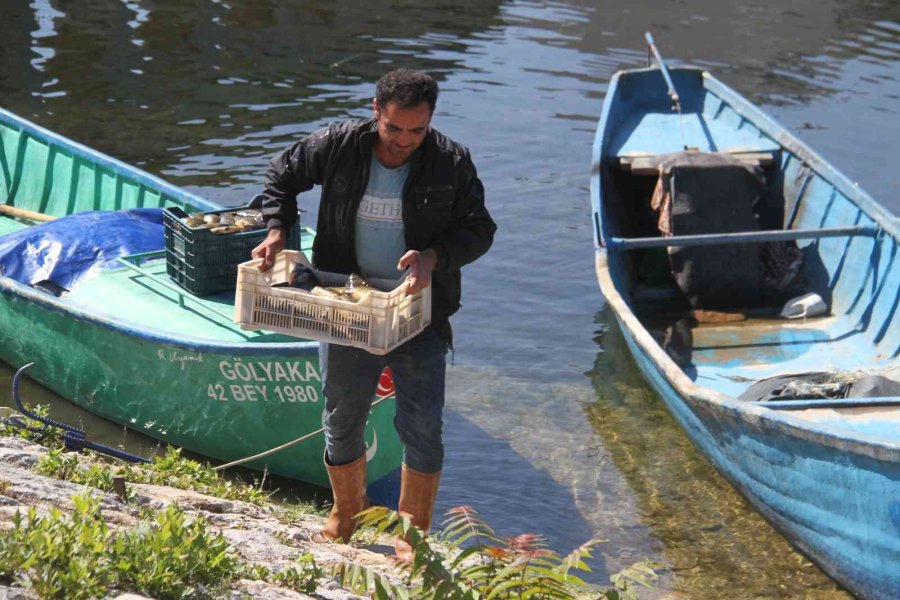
[
  {"x": 524, "y": 495},
  {"x": 709, "y": 535}
]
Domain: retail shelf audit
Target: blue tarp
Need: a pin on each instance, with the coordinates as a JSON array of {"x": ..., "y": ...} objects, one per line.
[{"x": 72, "y": 248}]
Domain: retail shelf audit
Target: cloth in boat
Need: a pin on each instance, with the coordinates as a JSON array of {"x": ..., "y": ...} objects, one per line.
[
  {"x": 74, "y": 248},
  {"x": 716, "y": 193},
  {"x": 823, "y": 385}
]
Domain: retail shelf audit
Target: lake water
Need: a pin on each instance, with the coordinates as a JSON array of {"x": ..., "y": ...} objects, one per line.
[{"x": 549, "y": 427}]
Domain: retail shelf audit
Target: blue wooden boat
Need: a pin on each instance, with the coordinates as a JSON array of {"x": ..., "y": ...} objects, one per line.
[
  {"x": 129, "y": 345},
  {"x": 824, "y": 470}
]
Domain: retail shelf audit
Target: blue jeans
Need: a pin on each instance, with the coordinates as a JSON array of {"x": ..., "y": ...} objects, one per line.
[{"x": 351, "y": 378}]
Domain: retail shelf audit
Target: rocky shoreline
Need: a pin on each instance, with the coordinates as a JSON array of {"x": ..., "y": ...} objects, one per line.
[{"x": 256, "y": 534}]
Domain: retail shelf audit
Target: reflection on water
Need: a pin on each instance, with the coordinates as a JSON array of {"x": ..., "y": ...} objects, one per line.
[{"x": 204, "y": 93}]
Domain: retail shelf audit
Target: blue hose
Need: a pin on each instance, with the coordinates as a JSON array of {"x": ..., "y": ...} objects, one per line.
[{"x": 74, "y": 439}]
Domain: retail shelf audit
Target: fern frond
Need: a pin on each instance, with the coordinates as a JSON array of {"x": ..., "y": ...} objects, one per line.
[{"x": 575, "y": 558}]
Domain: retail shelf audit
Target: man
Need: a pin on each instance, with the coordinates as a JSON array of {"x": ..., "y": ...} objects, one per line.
[{"x": 396, "y": 195}]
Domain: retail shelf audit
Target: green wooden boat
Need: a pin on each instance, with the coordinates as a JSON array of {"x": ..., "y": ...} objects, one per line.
[{"x": 133, "y": 347}]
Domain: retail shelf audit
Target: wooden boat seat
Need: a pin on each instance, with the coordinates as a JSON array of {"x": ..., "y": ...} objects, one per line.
[{"x": 649, "y": 164}]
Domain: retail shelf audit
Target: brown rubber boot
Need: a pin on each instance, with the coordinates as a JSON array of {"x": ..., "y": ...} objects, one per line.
[
  {"x": 417, "y": 493},
  {"x": 348, "y": 485}
]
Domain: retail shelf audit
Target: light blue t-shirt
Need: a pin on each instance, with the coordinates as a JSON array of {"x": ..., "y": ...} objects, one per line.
[{"x": 379, "y": 222}]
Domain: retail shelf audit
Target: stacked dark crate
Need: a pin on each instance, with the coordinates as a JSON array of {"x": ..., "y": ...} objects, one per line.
[{"x": 205, "y": 263}]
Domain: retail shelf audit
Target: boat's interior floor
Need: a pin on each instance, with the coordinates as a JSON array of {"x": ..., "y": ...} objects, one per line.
[
  {"x": 146, "y": 303},
  {"x": 730, "y": 357},
  {"x": 655, "y": 133}
]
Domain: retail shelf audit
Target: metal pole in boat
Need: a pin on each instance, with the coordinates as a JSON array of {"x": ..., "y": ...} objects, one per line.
[{"x": 673, "y": 93}]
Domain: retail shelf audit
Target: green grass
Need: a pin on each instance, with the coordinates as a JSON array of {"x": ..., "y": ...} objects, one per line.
[
  {"x": 171, "y": 469},
  {"x": 173, "y": 555},
  {"x": 295, "y": 511},
  {"x": 68, "y": 466},
  {"x": 301, "y": 577},
  {"x": 37, "y": 432}
]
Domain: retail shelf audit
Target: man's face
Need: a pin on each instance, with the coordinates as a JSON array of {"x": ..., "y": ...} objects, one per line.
[{"x": 401, "y": 130}]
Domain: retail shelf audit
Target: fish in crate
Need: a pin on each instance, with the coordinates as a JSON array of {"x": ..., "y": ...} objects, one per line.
[{"x": 294, "y": 298}]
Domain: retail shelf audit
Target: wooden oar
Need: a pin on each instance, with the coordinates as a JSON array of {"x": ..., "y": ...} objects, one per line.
[
  {"x": 21, "y": 213},
  {"x": 673, "y": 93}
]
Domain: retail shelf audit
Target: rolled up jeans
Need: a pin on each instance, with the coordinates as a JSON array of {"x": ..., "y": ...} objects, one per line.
[{"x": 351, "y": 377}]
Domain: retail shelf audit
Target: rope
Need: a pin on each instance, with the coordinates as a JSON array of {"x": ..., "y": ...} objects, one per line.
[{"x": 283, "y": 446}]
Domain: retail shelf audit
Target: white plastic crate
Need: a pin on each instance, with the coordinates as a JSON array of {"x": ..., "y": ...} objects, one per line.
[{"x": 378, "y": 323}]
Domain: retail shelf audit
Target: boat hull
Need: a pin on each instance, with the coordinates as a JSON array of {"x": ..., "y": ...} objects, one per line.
[
  {"x": 840, "y": 508},
  {"x": 224, "y": 402},
  {"x": 828, "y": 479}
]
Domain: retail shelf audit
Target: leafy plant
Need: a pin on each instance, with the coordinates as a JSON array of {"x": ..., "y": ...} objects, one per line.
[
  {"x": 486, "y": 567},
  {"x": 34, "y": 430},
  {"x": 78, "y": 558},
  {"x": 59, "y": 557},
  {"x": 171, "y": 557},
  {"x": 641, "y": 573}
]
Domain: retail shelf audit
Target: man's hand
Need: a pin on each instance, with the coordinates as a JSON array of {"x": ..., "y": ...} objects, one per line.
[
  {"x": 273, "y": 244},
  {"x": 421, "y": 264}
]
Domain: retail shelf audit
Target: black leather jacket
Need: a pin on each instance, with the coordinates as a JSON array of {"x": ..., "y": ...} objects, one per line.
[{"x": 443, "y": 202}]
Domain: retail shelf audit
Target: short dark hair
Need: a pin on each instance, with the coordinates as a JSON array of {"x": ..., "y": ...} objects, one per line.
[{"x": 407, "y": 88}]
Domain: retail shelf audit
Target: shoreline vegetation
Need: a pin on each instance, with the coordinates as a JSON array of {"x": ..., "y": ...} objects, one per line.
[{"x": 78, "y": 525}]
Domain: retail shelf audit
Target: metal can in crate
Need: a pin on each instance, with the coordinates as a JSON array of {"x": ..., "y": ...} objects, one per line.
[
  {"x": 206, "y": 263},
  {"x": 377, "y": 323}
]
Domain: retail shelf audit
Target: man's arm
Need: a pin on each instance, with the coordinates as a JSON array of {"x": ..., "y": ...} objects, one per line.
[
  {"x": 421, "y": 265},
  {"x": 470, "y": 234},
  {"x": 471, "y": 231},
  {"x": 295, "y": 170}
]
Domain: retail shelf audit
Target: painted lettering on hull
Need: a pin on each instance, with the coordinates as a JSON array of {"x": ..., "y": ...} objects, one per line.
[
  {"x": 179, "y": 357},
  {"x": 269, "y": 372},
  {"x": 266, "y": 381},
  {"x": 248, "y": 392}
]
